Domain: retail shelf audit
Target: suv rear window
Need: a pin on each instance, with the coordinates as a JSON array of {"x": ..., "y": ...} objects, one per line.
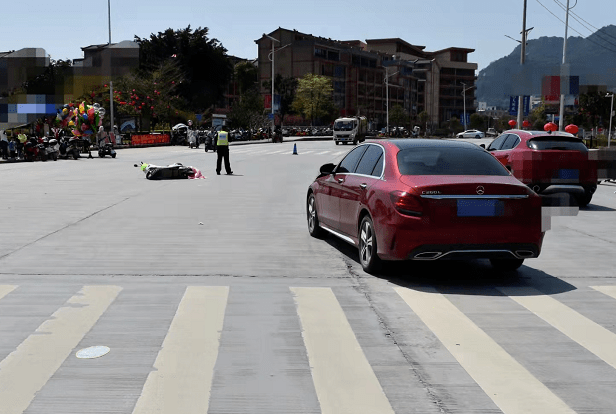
[
  {"x": 448, "y": 161},
  {"x": 553, "y": 143}
]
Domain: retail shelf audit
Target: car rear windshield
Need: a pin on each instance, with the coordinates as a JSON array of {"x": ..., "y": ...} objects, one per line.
[
  {"x": 448, "y": 161},
  {"x": 560, "y": 143}
]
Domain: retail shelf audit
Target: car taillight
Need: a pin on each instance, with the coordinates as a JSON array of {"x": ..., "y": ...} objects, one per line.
[{"x": 406, "y": 203}]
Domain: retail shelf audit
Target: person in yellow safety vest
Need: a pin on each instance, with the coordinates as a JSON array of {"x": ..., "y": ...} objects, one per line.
[{"x": 223, "y": 150}]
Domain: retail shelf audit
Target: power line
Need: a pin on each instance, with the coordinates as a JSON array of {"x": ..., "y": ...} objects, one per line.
[
  {"x": 599, "y": 35},
  {"x": 592, "y": 41},
  {"x": 594, "y": 27}
]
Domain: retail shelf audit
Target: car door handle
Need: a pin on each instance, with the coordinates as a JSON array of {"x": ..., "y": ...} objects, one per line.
[
  {"x": 363, "y": 186},
  {"x": 340, "y": 180}
]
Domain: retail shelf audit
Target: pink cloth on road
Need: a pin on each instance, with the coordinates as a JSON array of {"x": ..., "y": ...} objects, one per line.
[{"x": 197, "y": 174}]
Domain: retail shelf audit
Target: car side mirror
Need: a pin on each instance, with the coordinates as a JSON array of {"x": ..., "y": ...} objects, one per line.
[
  {"x": 482, "y": 146},
  {"x": 327, "y": 168}
]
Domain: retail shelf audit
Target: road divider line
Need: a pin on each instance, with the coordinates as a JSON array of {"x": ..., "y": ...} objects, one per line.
[
  {"x": 26, "y": 370},
  {"x": 6, "y": 289},
  {"x": 512, "y": 388},
  {"x": 607, "y": 290},
  {"x": 182, "y": 381},
  {"x": 587, "y": 333},
  {"x": 343, "y": 378}
]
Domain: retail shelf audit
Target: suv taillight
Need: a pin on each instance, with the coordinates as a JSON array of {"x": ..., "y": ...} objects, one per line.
[{"x": 406, "y": 203}]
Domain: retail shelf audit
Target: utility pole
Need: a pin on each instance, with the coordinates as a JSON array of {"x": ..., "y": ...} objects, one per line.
[
  {"x": 111, "y": 129},
  {"x": 521, "y": 98},
  {"x": 564, "y": 73}
]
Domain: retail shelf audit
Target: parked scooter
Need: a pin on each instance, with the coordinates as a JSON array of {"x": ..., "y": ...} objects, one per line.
[
  {"x": 106, "y": 148},
  {"x": 210, "y": 143},
  {"x": 52, "y": 148},
  {"x": 69, "y": 148}
]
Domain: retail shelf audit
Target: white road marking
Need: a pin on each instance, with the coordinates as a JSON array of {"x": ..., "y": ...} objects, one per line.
[
  {"x": 184, "y": 366},
  {"x": 6, "y": 289},
  {"x": 343, "y": 378},
  {"x": 589, "y": 334},
  {"x": 608, "y": 290},
  {"x": 27, "y": 369},
  {"x": 324, "y": 152},
  {"x": 512, "y": 388}
]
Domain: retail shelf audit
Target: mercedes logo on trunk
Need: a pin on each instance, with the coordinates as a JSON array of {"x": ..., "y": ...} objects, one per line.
[{"x": 480, "y": 190}]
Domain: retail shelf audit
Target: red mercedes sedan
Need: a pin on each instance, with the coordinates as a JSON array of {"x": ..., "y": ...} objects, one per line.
[
  {"x": 423, "y": 199},
  {"x": 548, "y": 162}
]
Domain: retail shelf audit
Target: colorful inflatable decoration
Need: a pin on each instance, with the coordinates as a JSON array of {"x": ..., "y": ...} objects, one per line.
[
  {"x": 526, "y": 124},
  {"x": 512, "y": 123},
  {"x": 86, "y": 119}
]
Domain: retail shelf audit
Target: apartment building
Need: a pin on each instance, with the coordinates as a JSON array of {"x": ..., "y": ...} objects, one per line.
[{"x": 365, "y": 74}]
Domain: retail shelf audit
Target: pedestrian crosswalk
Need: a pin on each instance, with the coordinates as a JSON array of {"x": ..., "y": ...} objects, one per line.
[{"x": 305, "y": 349}]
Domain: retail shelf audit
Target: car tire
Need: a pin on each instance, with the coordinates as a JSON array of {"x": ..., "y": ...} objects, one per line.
[
  {"x": 477, "y": 136},
  {"x": 113, "y": 155},
  {"x": 314, "y": 228},
  {"x": 337, "y": 142},
  {"x": 506, "y": 264},
  {"x": 584, "y": 200},
  {"x": 368, "y": 257}
]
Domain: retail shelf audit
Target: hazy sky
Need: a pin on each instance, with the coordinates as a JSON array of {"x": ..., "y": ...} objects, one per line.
[{"x": 63, "y": 28}]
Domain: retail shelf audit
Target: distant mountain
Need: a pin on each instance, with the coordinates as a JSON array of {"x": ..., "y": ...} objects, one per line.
[{"x": 592, "y": 58}]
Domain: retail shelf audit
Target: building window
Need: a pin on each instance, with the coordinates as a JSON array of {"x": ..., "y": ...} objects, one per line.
[
  {"x": 339, "y": 72},
  {"x": 322, "y": 53},
  {"x": 332, "y": 55}
]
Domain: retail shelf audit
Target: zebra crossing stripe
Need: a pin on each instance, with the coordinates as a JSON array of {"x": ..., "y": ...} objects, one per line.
[
  {"x": 589, "y": 334},
  {"x": 512, "y": 388},
  {"x": 27, "y": 369},
  {"x": 608, "y": 290},
  {"x": 343, "y": 378},
  {"x": 182, "y": 380},
  {"x": 6, "y": 289}
]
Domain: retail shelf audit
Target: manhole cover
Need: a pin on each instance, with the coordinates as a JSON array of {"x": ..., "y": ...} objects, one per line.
[{"x": 92, "y": 352}]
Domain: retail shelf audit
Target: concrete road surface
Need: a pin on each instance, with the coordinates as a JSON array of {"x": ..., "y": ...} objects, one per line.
[{"x": 210, "y": 296}]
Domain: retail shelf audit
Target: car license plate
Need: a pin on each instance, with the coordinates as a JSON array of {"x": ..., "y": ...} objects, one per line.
[
  {"x": 480, "y": 208},
  {"x": 567, "y": 173}
]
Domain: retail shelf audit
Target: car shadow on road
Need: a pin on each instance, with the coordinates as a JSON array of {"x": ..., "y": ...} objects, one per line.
[
  {"x": 594, "y": 207},
  {"x": 469, "y": 277}
]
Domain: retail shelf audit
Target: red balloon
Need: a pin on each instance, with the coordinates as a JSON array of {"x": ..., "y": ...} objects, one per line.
[
  {"x": 525, "y": 124},
  {"x": 512, "y": 123},
  {"x": 572, "y": 129},
  {"x": 550, "y": 126}
]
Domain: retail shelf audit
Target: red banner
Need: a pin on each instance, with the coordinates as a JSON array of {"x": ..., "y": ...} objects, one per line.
[{"x": 150, "y": 139}]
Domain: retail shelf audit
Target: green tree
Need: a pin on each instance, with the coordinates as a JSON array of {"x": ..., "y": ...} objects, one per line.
[
  {"x": 477, "y": 121},
  {"x": 204, "y": 64},
  {"x": 51, "y": 80},
  {"x": 313, "y": 97},
  {"x": 246, "y": 75},
  {"x": 151, "y": 96},
  {"x": 248, "y": 112},
  {"x": 397, "y": 116},
  {"x": 593, "y": 111},
  {"x": 537, "y": 117}
]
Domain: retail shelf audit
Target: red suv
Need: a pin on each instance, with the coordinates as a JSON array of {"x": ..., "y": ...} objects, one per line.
[{"x": 548, "y": 163}]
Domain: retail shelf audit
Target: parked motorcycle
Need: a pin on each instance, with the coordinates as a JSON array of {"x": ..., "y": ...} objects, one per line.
[
  {"x": 34, "y": 150},
  {"x": 52, "y": 148},
  {"x": 106, "y": 148},
  {"x": 69, "y": 147},
  {"x": 210, "y": 143}
]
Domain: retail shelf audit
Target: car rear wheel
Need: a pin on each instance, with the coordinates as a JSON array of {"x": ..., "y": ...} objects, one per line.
[
  {"x": 368, "y": 258},
  {"x": 313, "y": 219},
  {"x": 506, "y": 264}
]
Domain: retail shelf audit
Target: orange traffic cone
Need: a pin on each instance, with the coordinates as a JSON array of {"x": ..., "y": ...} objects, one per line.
[{"x": 294, "y": 149}]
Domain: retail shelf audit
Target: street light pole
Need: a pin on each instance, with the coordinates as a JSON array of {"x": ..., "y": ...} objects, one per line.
[
  {"x": 272, "y": 59},
  {"x": 609, "y": 134},
  {"x": 110, "y": 80},
  {"x": 561, "y": 116}
]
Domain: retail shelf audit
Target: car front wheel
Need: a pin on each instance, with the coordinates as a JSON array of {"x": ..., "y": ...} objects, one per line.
[
  {"x": 313, "y": 219},
  {"x": 368, "y": 258}
]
